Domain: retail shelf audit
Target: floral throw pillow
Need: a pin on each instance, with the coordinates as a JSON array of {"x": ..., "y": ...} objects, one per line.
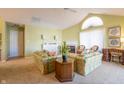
[{"x": 52, "y": 53}]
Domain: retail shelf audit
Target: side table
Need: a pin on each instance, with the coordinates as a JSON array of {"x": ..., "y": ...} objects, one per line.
[{"x": 64, "y": 70}]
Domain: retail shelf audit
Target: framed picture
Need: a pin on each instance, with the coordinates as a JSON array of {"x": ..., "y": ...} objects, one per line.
[
  {"x": 114, "y": 42},
  {"x": 114, "y": 31}
]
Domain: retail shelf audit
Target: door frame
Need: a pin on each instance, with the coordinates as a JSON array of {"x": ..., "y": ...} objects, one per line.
[{"x": 8, "y": 42}]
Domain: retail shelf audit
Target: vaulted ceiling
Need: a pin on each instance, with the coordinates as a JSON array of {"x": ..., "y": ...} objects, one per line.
[{"x": 59, "y": 18}]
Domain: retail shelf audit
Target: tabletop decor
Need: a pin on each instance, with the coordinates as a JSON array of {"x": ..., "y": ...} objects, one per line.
[{"x": 65, "y": 51}]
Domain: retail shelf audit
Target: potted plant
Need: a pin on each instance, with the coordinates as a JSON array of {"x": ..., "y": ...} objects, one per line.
[{"x": 65, "y": 51}]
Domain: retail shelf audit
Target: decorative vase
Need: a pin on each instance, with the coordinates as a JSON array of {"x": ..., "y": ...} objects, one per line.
[{"x": 64, "y": 57}]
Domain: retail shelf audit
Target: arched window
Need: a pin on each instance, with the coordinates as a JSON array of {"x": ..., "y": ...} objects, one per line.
[{"x": 92, "y": 22}]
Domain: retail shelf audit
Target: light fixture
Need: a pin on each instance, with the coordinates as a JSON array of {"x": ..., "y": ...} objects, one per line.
[
  {"x": 42, "y": 37},
  {"x": 71, "y": 10},
  {"x": 54, "y": 37}
]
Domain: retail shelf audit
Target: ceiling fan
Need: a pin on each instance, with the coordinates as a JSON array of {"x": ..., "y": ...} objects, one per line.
[{"x": 71, "y": 10}]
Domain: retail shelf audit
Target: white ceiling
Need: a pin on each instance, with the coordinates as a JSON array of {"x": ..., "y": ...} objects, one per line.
[{"x": 58, "y": 18}]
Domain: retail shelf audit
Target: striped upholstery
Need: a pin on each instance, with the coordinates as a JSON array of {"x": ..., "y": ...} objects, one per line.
[{"x": 87, "y": 63}]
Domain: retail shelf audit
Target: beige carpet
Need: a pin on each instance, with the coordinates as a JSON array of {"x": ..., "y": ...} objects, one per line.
[{"x": 25, "y": 71}]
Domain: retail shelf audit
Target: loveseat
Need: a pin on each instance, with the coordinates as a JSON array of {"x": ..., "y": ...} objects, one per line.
[
  {"x": 85, "y": 64},
  {"x": 44, "y": 62}
]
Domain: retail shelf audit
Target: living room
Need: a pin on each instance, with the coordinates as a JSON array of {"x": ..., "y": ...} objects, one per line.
[{"x": 99, "y": 31}]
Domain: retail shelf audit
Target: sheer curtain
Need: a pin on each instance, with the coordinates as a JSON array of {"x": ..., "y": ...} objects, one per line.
[{"x": 92, "y": 37}]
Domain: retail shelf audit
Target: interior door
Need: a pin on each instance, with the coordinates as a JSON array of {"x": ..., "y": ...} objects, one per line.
[{"x": 13, "y": 44}]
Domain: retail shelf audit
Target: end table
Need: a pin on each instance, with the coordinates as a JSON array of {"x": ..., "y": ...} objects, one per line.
[{"x": 64, "y": 70}]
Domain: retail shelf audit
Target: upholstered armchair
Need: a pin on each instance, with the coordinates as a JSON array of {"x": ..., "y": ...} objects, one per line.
[{"x": 94, "y": 48}]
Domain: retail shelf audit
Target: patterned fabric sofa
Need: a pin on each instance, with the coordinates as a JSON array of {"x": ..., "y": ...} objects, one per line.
[
  {"x": 45, "y": 63},
  {"x": 85, "y": 64}
]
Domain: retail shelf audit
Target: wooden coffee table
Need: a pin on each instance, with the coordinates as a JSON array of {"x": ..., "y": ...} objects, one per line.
[{"x": 64, "y": 70}]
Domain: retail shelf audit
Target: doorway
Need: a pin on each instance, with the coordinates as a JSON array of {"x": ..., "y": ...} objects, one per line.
[
  {"x": 13, "y": 47},
  {"x": 15, "y": 40}
]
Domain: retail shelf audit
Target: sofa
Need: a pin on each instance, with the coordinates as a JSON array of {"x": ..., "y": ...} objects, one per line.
[
  {"x": 85, "y": 64},
  {"x": 44, "y": 62}
]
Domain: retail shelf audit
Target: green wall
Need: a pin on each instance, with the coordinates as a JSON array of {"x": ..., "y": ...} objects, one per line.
[
  {"x": 33, "y": 39},
  {"x": 72, "y": 33},
  {"x": 3, "y": 46}
]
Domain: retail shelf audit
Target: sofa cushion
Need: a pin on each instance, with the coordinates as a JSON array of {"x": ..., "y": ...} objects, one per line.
[
  {"x": 51, "y": 53},
  {"x": 44, "y": 54}
]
